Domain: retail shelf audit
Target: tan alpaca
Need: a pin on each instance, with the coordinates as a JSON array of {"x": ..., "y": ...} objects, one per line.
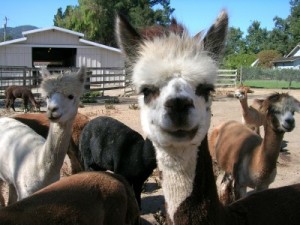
[
  {"x": 245, "y": 156},
  {"x": 251, "y": 115}
]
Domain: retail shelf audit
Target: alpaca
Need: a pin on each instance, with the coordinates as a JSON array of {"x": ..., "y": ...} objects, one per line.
[
  {"x": 88, "y": 198},
  {"x": 40, "y": 124},
  {"x": 108, "y": 144},
  {"x": 174, "y": 74},
  {"x": 13, "y": 92},
  {"x": 249, "y": 159},
  {"x": 29, "y": 162},
  {"x": 252, "y": 116}
]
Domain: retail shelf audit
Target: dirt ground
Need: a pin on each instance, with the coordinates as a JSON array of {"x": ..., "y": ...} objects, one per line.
[{"x": 224, "y": 108}]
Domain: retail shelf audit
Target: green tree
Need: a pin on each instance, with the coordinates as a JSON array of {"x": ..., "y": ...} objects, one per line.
[
  {"x": 235, "y": 42},
  {"x": 95, "y": 18},
  {"x": 294, "y": 22},
  {"x": 235, "y": 61},
  {"x": 257, "y": 38},
  {"x": 279, "y": 38}
]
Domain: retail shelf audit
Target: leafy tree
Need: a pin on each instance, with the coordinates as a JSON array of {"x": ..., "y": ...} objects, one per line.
[
  {"x": 95, "y": 18},
  {"x": 257, "y": 37},
  {"x": 294, "y": 22},
  {"x": 235, "y": 61},
  {"x": 279, "y": 38},
  {"x": 266, "y": 57},
  {"x": 235, "y": 42}
]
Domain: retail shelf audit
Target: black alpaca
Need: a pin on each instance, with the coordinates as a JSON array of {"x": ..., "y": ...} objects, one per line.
[{"x": 108, "y": 144}]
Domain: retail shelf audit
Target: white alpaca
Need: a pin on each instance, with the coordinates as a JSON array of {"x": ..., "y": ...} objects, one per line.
[
  {"x": 29, "y": 162},
  {"x": 174, "y": 74},
  {"x": 247, "y": 158}
]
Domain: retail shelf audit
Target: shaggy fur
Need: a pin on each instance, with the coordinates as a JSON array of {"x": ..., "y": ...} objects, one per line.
[
  {"x": 108, "y": 144},
  {"x": 88, "y": 198},
  {"x": 40, "y": 124},
  {"x": 13, "y": 92},
  {"x": 175, "y": 74},
  {"x": 29, "y": 162}
]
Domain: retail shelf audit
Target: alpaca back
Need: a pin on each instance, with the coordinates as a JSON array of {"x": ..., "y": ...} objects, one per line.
[
  {"x": 108, "y": 144},
  {"x": 82, "y": 199},
  {"x": 15, "y": 130}
]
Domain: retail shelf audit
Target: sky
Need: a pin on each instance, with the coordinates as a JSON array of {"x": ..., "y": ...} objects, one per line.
[{"x": 196, "y": 15}]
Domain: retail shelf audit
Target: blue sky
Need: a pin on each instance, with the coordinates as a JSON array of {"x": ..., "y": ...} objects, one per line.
[{"x": 196, "y": 15}]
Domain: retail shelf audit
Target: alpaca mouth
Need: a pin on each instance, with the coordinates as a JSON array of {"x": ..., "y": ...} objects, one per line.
[
  {"x": 288, "y": 128},
  {"x": 53, "y": 118},
  {"x": 181, "y": 133}
]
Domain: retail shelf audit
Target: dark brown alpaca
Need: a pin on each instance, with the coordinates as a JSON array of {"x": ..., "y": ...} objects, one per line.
[{"x": 13, "y": 92}]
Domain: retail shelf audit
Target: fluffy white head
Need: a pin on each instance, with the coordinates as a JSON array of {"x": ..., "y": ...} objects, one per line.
[
  {"x": 62, "y": 93},
  {"x": 175, "y": 74}
]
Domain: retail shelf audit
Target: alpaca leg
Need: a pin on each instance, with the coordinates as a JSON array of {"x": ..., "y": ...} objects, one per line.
[
  {"x": 12, "y": 103},
  {"x": 2, "y": 200},
  {"x": 25, "y": 103},
  {"x": 239, "y": 190},
  {"x": 226, "y": 190},
  {"x": 137, "y": 188},
  {"x": 12, "y": 197}
]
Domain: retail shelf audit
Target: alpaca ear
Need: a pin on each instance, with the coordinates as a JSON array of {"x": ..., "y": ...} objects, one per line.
[
  {"x": 214, "y": 41},
  {"x": 81, "y": 74},
  {"x": 127, "y": 37},
  {"x": 44, "y": 72}
]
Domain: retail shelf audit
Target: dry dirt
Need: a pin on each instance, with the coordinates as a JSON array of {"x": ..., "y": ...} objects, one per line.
[{"x": 224, "y": 108}]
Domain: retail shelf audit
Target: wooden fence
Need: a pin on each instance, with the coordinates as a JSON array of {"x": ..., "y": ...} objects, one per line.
[
  {"x": 99, "y": 78},
  {"x": 227, "y": 78}
]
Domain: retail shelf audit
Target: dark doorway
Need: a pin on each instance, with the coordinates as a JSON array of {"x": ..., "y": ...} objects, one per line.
[{"x": 55, "y": 57}]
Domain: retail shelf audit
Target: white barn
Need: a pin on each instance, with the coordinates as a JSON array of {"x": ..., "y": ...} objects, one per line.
[{"x": 58, "y": 47}]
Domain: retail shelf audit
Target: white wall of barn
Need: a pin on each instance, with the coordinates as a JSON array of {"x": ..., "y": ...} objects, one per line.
[{"x": 16, "y": 55}]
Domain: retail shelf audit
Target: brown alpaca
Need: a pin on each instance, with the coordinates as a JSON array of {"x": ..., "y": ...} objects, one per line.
[
  {"x": 13, "y": 92},
  {"x": 88, "y": 198},
  {"x": 40, "y": 124},
  {"x": 252, "y": 115},
  {"x": 246, "y": 158}
]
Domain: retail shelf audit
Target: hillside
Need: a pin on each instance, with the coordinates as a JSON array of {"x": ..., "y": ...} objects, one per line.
[{"x": 15, "y": 32}]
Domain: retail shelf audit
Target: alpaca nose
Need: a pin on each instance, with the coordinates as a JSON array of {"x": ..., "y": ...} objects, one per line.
[
  {"x": 178, "y": 104},
  {"x": 290, "y": 121},
  {"x": 52, "y": 108},
  {"x": 178, "y": 110}
]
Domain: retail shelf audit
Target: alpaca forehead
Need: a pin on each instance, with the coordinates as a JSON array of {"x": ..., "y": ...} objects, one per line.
[
  {"x": 162, "y": 59},
  {"x": 65, "y": 84},
  {"x": 286, "y": 104}
]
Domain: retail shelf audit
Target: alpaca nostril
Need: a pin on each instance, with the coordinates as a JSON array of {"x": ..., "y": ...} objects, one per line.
[
  {"x": 290, "y": 121},
  {"x": 53, "y": 109},
  {"x": 179, "y": 104}
]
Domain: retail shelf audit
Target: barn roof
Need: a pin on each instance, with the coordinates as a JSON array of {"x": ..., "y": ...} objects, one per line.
[{"x": 54, "y": 28}]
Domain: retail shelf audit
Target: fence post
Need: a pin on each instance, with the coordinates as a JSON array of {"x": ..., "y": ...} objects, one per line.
[
  {"x": 24, "y": 76},
  {"x": 87, "y": 85}
]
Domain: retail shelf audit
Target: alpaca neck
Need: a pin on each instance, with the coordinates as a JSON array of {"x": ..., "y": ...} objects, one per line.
[
  {"x": 188, "y": 184},
  {"x": 55, "y": 147},
  {"x": 244, "y": 104},
  {"x": 270, "y": 146}
]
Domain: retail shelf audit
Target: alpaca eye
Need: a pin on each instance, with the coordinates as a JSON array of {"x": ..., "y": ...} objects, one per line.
[
  {"x": 70, "y": 97},
  {"x": 204, "y": 90},
  {"x": 150, "y": 92}
]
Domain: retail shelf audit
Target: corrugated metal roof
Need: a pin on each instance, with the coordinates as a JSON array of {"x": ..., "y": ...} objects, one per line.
[{"x": 53, "y": 28}]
